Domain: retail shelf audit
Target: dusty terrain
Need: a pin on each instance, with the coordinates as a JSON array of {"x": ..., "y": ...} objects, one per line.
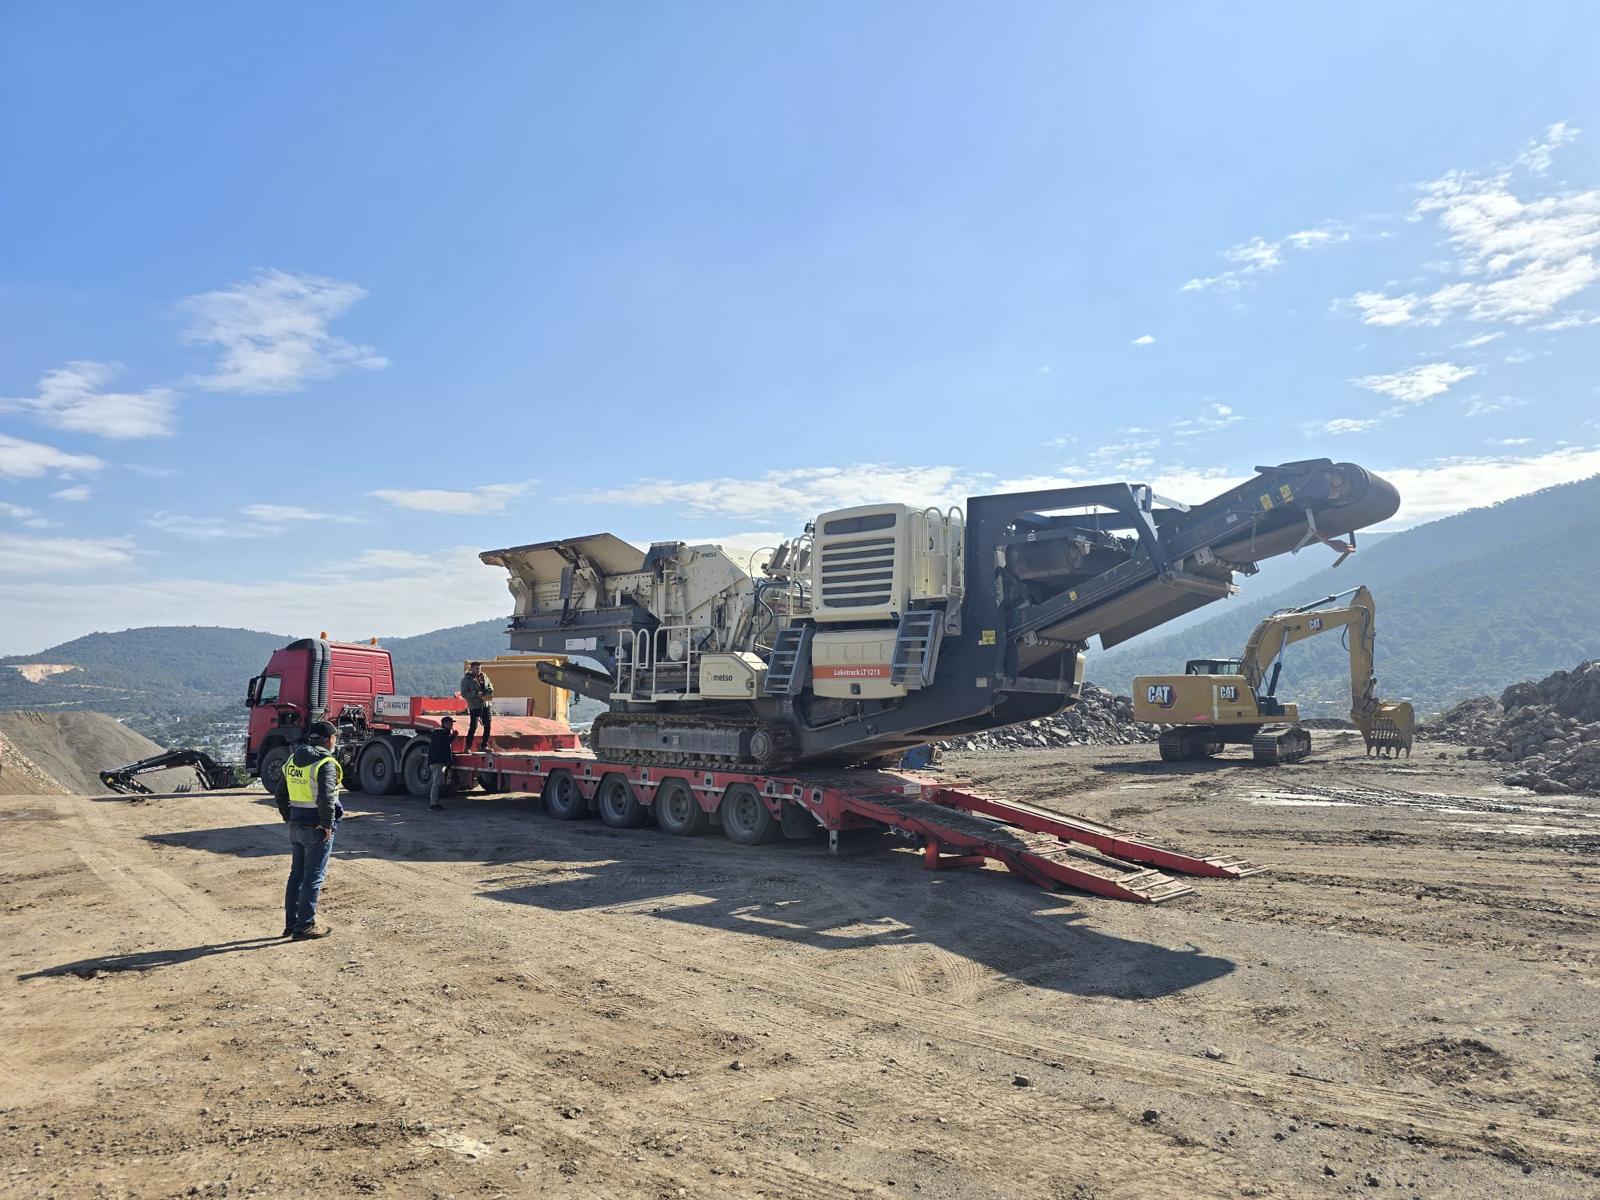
[
  {"x": 45, "y": 752},
  {"x": 1406, "y": 1006}
]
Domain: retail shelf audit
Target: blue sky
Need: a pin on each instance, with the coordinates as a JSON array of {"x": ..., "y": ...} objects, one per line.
[{"x": 305, "y": 304}]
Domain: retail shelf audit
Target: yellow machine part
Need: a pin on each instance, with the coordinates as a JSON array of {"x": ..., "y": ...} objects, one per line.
[
  {"x": 1202, "y": 700},
  {"x": 516, "y": 676}
]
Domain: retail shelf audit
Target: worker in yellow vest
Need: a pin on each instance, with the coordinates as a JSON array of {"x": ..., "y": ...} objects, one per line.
[{"x": 312, "y": 809}]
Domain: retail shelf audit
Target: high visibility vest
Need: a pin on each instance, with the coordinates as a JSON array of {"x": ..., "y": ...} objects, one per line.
[{"x": 302, "y": 781}]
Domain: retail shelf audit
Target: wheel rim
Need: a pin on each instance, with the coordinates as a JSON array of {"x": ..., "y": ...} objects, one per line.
[
  {"x": 678, "y": 804},
  {"x": 744, "y": 812},
  {"x": 563, "y": 793},
  {"x": 614, "y": 800}
]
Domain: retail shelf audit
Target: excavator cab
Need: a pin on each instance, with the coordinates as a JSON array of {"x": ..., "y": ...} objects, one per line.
[{"x": 1213, "y": 666}]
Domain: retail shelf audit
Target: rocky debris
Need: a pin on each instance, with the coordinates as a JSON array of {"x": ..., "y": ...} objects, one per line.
[
  {"x": 1097, "y": 719},
  {"x": 1550, "y": 730}
]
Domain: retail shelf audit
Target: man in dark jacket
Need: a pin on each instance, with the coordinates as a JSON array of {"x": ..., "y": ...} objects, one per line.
[
  {"x": 477, "y": 691},
  {"x": 313, "y": 810},
  {"x": 440, "y": 755}
]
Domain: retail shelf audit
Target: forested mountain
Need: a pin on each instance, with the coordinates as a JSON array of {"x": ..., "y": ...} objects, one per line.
[{"x": 1466, "y": 605}]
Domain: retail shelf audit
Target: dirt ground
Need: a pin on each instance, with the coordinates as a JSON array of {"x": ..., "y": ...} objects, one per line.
[{"x": 1405, "y": 1006}]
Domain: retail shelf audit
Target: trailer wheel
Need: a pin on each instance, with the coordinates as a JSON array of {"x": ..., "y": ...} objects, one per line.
[
  {"x": 678, "y": 811},
  {"x": 618, "y": 806},
  {"x": 376, "y": 770},
  {"x": 562, "y": 799},
  {"x": 271, "y": 771},
  {"x": 746, "y": 819},
  {"x": 415, "y": 771}
]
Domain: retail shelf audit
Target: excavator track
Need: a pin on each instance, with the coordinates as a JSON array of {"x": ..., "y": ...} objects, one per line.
[
  {"x": 771, "y": 745},
  {"x": 1276, "y": 744}
]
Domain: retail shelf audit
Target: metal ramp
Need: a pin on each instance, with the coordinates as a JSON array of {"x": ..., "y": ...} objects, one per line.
[
  {"x": 790, "y": 661},
  {"x": 916, "y": 647},
  {"x": 961, "y": 828}
]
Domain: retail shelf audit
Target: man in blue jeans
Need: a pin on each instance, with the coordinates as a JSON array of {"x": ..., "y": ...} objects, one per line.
[{"x": 312, "y": 810}]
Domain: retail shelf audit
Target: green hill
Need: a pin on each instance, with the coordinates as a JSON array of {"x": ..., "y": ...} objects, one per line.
[{"x": 1466, "y": 605}]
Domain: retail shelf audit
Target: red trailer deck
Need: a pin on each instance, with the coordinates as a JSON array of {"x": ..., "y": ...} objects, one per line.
[{"x": 956, "y": 827}]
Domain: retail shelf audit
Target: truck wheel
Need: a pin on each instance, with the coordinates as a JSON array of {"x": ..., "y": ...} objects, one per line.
[
  {"x": 415, "y": 771},
  {"x": 678, "y": 811},
  {"x": 617, "y": 804},
  {"x": 376, "y": 770},
  {"x": 562, "y": 799},
  {"x": 271, "y": 771},
  {"x": 746, "y": 819}
]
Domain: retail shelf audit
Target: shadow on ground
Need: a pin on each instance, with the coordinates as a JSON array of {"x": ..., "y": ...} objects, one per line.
[
  {"x": 147, "y": 960},
  {"x": 871, "y": 893}
]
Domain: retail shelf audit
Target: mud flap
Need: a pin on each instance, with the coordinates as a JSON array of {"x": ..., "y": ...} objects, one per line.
[{"x": 798, "y": 824}]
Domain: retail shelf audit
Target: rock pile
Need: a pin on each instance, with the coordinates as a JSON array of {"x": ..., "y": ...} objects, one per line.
[
  {"x": 1550, "y": 730},
  {"x": 1097, "y": 719}
]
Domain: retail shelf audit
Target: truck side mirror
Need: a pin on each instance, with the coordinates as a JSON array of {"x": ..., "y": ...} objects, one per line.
[{"x": 251, "y": 693}]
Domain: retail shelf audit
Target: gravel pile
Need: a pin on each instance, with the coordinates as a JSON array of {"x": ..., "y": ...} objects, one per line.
[
  {"x": 1097, "y": 719},
  {"x": 1549, "y": 731}
]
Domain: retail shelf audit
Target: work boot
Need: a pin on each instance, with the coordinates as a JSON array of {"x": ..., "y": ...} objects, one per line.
[
  {"x": 288, "y": 931},
  {"x": 436, "y": 807},
  {"x": 312, "y": 932}
]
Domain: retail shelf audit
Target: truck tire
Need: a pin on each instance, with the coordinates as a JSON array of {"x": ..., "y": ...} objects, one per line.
[
  {"x": 562, "y": 798},
  {"x": 678, "y": 810},
  {"x": 618, "y": 806},
  {"x": 270, "y": 770},
  {"x": 415, "y": 771},
  {"x": 746, "y": 819},
  {"x": 377, "y": 771}
]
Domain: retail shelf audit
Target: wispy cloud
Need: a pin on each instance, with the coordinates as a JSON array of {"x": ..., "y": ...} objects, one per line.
[
  {"x": 1417, "y": 384},
  {"x": 1517, "y": 260},
  {"x": 1258, "y": 254},
  {"x": 24, "y": 515},
  {"x": 75, "y": 494},
  {"x": 1350, "y": 424},
  {"x": 20, "y": 459},
  {"x": 1214, "y": 417},
  {"x": 1144, "y": 340},
  {"x": 1482, "y": 339},
  {"x": 272, "y": 331},
  {"x": 278, "y": 514},
  {"x": 70, "y": 397},
  {"x": 23, "y": 555},
  {"x": 208, "y": 529},
  {"x": 492, "y": 498}
]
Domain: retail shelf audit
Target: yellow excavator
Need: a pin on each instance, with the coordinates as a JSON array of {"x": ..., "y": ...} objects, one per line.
[{"x": 1233, "y": 701}]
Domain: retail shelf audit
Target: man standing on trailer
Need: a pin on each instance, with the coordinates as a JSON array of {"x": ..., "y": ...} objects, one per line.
[
  {"x": 313, "y": 776},
  {"x": 477, "y": 691},
  {"x": 440, "y": 756}
]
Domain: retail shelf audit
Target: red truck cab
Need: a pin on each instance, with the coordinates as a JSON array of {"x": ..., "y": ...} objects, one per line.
[{"x": 311, "y": 679}]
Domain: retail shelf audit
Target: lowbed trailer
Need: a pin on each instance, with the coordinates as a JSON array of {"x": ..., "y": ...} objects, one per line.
[{"x": 956, "y": 827}]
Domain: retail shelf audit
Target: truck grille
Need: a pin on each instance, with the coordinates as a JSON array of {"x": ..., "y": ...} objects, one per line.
[{"x": 858, "y": 574}]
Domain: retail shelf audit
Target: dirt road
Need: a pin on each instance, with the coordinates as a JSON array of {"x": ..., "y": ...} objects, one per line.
[{"x": 1406, "y": 1006}]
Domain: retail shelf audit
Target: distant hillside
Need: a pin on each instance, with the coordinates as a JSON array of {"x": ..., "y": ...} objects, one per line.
[{"x": 1466, "y": 605}]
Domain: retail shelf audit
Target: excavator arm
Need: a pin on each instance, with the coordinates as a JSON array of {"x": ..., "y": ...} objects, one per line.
[
  {"x": 208, "y": 771},
  {"x": 1383, "y": 724}
]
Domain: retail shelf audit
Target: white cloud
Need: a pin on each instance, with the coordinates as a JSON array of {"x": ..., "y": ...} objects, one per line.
[
  {"x": 1215, "y": 416},
  {"x": 1350, "y": 425},
  {"x": 1517, "y": 260},
  {"x": 803, "y": 492},
  {"x": 75, "y": 494},
  {"x": 492, "y": 498},
  {"x": 1258, "y": 255},
  {"x": 1453, "y": 484},
  {"x": 207, "y": 529},
  {"x": 24, "y": 515},
  {"x": 1144, "y": 340},
  {"x": 149, "y": 472},
  {"x": 1417, "y": 384},
  {"x": 23, "y": 555},
  {"x": 277, "y": 514},
  {"x": 70, "y": 398},
  {"x": 1572, "y": 321},
  {"x": 452, "y": 589},
  {"x": 21, "y": 459},
  {"x": 1483, "y": 339},
  {"x": 1508, "y": 441},
  {"x": 273, "y": 332},
  {"x": 1481, "y": 406},
  {"x": 1540, "y": 151},
  {"x": 394, "y": 560}
]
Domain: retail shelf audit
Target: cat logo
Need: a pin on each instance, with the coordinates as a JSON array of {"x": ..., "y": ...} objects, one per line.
[
  {"x": 1227, "y": 691},
  {"x": 1159, "y": 694},
  {"x": 1315, "y": 624}
]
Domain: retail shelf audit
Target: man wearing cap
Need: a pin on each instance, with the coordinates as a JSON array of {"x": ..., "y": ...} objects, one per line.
[
  {"x": 477, "y": 691},
  {"x": 312, "y": 809},
  {"x": 440, "y": 756}
]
